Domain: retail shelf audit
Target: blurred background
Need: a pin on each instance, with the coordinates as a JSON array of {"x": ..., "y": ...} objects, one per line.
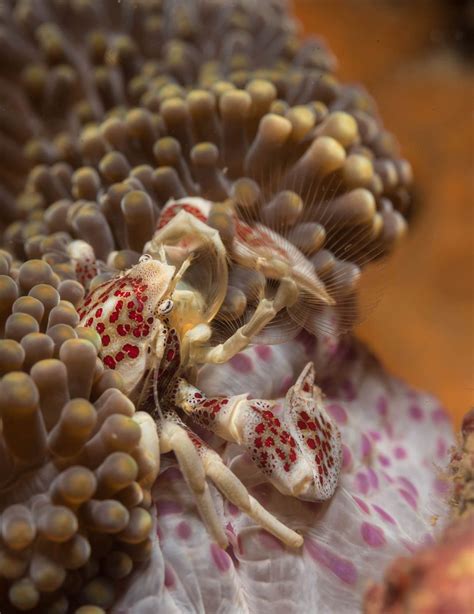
[{"x": 416, "y": 58}]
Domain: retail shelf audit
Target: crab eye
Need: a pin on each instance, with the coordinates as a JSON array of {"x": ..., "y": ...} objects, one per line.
[
  {"x": 144, "y": 258},
  {"x": 166, "y": 306}
]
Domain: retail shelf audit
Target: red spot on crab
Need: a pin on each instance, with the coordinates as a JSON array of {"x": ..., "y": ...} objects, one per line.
[
  {"x": 109, "y": 362},
  {"x": 121, "y": 330},
  {"x": 132, "y": 350}
]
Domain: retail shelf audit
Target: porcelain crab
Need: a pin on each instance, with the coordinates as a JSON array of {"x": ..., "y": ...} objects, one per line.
[{"x": 154, "y": 323}]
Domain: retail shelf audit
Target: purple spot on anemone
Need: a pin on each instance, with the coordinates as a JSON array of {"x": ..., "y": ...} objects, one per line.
[
  {"x": 346, "y": 457},
  {"x": 221, "y": 559},
  {"x": 384, "y": 460},
  {"x": 342, "y": 568},
  {"x": 399, "y": 453},
  {"x": 170, "y": 579},
  {"x": 416, "y": 413},
  {"x": 373, "y": 479},
  {"x": 337, "y": 412},
  {"x": 264, "y": 352},
  {"x": 365, "y": 445},
  {"x": 166, "y": 506},
  {"x": 375, "y": 435},
  {"x": 233, "y": 509},
  {"x": 269, "y": 542},
  {"x": 183, "y": 530},
  {"x": 406, "y": 483},
  {"x": 383, "y": 514},
  {"x": 382, "y": 405},
  {"x": 372, "y": 535},
  {"x": 409, "y": 498},
  {"x": 362, "y": 483},
  {"x": 362, "y": 504},
  {"x": 241, "y": 363}
]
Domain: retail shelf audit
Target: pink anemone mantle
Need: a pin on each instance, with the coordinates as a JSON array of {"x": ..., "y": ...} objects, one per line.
[{"x": 391, "y": 498}]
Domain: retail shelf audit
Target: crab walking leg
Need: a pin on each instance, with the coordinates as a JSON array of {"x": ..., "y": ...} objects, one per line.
[
  {"x": 233, "y": 489},
  {"x": 176, "y": 438},
  {"x": 300, "y": 451},
  {"x": 266, "y": 310},
  {"x": 198, "y": 462}
]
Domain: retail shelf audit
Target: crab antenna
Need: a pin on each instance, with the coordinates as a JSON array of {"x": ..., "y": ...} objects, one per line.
[
  {"x": 162, "y": 254},
  {"x": 182, "y": 270}
]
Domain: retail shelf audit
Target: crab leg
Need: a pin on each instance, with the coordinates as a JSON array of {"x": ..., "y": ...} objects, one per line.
[
  {"x": 299, "y": 451},
  {"x": 198, "y": 462},
  {"x": 176, "y": 438},
  {"x": 266, "y": 310}
]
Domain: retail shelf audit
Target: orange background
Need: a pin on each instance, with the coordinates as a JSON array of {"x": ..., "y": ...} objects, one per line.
[{"x": 423, "y": 328}]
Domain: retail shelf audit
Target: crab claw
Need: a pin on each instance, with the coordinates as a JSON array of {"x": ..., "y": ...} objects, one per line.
[{"x": 299, "y": 450}]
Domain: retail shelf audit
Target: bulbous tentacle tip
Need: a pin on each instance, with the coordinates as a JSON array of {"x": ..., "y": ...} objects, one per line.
[{"x": 149, "y": 445}]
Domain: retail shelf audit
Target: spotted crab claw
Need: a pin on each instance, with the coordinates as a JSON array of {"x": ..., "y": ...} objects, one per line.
[
  {"x": 198, "y": 463},
  {"x": 299, "y": 450}
]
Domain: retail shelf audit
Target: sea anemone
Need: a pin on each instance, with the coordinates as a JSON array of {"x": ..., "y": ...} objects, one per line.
[
  {"x": 266, "y": 132},
  {"x": 391, "y": 500},
  {"x": 130, "y": 113},
  {"x": 76, "y": 470}
]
